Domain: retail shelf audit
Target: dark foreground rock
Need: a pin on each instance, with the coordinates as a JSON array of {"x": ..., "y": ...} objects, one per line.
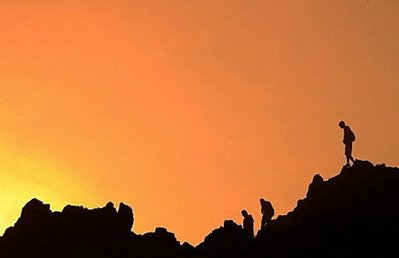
[
  {"x": 80, "y": 232},
  {"x": 354, "y": 214}
]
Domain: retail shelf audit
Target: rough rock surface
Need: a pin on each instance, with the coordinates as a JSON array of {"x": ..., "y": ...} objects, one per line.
[{"x": 354, "y": 214}]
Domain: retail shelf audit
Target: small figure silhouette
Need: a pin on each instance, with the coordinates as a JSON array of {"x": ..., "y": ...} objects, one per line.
[
  {"x": 349, "y": 138},
  {"x": 267, "y": 212},
  {"x": 248, "y": 223}
]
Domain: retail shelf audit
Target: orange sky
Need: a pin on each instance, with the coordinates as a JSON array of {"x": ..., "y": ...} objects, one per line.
[{"x": 187, "y": 110}]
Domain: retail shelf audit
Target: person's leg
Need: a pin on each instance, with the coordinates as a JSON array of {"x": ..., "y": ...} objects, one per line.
[{"x": 348, "y": 153}]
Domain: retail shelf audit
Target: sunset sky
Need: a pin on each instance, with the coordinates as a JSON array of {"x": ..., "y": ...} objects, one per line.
[{"x": 190, "y": 111}]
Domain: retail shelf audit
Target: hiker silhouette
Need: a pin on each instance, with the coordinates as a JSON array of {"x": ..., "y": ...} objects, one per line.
[
  {"x": 248, "y": 223},
  {"x": 267, "y": 212},
  {"x": 349, "y": 138}
]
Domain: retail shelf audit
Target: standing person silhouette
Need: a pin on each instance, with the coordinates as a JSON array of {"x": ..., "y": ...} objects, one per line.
[
  {"x": 349, "y": 138},
  {"x": 267, "y": 212}
]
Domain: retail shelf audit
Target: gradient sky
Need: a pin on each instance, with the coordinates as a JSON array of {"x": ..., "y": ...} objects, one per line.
[{"x": 187, "y": 110}]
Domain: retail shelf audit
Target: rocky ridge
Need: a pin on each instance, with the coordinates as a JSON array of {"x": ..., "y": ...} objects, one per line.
[{"x": 353, "y": 214}]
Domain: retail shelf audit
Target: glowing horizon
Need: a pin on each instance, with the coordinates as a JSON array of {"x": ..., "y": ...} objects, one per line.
[{"x": 189, "y": 111}]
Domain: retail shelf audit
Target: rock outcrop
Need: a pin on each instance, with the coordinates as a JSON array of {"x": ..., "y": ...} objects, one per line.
[
  {"x": 81, "y": 232},
  {"x": 354, "y": 214},
  {"x": 226, "y": 241}
]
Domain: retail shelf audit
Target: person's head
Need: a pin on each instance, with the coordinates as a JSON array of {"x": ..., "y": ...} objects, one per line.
[
  {"x": 341, "y": 124},
  {"x": 244, "y": 213}
]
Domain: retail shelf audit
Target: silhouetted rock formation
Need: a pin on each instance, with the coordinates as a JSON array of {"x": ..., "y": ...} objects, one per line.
[
  {"x": 354, "y": 214},
  {"x": 80, "y": 232},
  {"x": 225, "y": 241}
]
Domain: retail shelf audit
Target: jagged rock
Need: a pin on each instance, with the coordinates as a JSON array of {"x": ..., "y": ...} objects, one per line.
[
  {"x": 187, "y": 247},
  {"x": 162, "y": 234},
  {"x": 227, "y": 241},
  {"x": 74, "y": 232},
  {"x": 34, "y": 209},
  {"x": 160, "y": 243},
  {"x": 354, "y": 214},
  {"x": 125, "y": 216}
]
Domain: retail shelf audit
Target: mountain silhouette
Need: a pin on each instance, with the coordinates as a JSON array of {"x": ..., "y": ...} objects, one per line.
[
  {"x": 354, "y": 214},
  {"x": 80, "y": 232}
]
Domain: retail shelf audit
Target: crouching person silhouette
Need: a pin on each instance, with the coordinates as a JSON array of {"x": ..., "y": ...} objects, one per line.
[
  {"x": 248, "y": 223},
  {"x": 267, "y": 212}
]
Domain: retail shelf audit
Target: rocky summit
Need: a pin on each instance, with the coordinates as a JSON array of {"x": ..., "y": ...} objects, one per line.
[{"x": 354, "y": 214}]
